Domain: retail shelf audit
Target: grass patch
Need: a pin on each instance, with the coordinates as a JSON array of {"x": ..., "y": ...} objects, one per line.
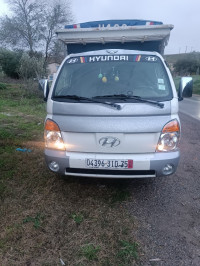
[
  {"x": 89, "y": 251},
  {"x": 6, "y": 133},
  {"x": 196, "y": 80},
  {"x": 21, "y": 116},
  {"x": 120, "y": 195},
  {"x": 78, "y": 218},
  {"x": 67, "y": 212},
  {"x": 35, "y": 220},
  {"x": 2, "y": 189},
  {"x": 128, "y": 251}
]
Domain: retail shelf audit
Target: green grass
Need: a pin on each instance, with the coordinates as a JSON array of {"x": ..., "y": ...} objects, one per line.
[
  {"x": 21, "y": 114},
  {"x": 120, "y": 195},
  {"x": 35, "y": 220},
  {"x": 196, "y": 80},
  {"x": 21, "y": 119},
  {"x": 78, "y": 218},
  {"x": 128, "y": 252},
  {"x": 43, "y": 216},
  {"x": 90, "y": 252},
  {"x": 16, "y": 100},
  {"x": 2, "y": 188}
]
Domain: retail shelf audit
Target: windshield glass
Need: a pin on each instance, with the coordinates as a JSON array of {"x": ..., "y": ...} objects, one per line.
[{"x": 92, "y": 76}]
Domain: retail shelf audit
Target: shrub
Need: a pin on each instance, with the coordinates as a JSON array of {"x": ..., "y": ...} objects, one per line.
[
  {"x": 31, "y": 67},
  {"x": 9, "y": 61},
  {"x": 3, "y": 86},
  {"x": 187, "y": 66}
]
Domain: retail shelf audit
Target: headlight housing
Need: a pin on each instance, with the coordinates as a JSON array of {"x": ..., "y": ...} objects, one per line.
[
  {"x": 52, "y": 136},
  {"x": 169, "y": 137}
]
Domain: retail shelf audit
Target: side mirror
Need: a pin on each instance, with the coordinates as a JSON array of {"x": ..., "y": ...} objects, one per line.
[
  {"x": 185, "y": 88},
  {"x": 44, "y": 86}
]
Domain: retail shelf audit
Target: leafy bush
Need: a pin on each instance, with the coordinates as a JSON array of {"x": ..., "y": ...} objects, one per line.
[
  {"x": 19, "y": 64},
  {"x": 3, "y": 86},
  {"x": 9, "y": 61},
  {"x": 31, "y": 67},
  {"x": 187, "y": 66}
]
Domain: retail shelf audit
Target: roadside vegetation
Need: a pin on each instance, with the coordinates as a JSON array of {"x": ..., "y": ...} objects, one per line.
[
  {"x": 196, "y": 83},
  {"x": 47, "y": 219},
  {"x": 183, "y": 65}
]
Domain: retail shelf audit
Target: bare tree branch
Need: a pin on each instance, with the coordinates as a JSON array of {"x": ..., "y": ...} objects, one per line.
[{"x": 33, "y": 24}]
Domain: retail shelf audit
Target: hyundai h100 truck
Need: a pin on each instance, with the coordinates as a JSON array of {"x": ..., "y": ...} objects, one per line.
[{"x": 112, "y": 109}]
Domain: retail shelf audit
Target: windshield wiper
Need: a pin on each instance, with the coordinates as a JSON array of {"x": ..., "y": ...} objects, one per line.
[
  {"x": 79, "y": 98},
  {"x": 137, "y": 98}
]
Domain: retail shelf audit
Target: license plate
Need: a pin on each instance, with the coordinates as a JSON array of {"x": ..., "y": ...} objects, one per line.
[{"x": 119, "y": 164}]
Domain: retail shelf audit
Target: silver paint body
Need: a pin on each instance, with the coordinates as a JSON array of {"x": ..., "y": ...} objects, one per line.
[{"x": 137, "y": 126}]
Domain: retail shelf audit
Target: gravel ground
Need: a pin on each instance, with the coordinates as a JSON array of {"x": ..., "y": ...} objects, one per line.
[{"x": 167, "y": 210}]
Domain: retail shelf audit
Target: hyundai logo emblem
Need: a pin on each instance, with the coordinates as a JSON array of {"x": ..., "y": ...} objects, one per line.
[
  {"x": 72, "y": 60},
  {"x": 151, "y": 58},
  {"x": 109, "y": 142},
  {"x": 111, "y": 51}
]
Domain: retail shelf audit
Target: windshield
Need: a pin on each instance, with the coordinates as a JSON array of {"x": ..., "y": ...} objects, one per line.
[{"x": 101, "y": 76}]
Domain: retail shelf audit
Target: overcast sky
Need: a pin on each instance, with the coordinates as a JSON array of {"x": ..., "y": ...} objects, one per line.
[{"x": 183, "y": 14}]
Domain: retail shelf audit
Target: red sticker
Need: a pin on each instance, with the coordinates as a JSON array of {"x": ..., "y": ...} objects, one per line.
[{"x": 130, "y": 163}]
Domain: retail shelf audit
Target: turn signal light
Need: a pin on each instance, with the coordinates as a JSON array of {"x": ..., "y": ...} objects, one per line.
[
  {"x": 51, "y": 126},
  {"x": 172, "y": 126}
]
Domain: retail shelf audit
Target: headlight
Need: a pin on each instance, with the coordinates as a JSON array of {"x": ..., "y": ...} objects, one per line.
[
  {"x": 52, "y": 136},
  {"x": 169, "y": 137}
]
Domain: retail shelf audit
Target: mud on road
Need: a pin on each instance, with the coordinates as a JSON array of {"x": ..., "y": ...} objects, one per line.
[{"x": 167, "y": 210}]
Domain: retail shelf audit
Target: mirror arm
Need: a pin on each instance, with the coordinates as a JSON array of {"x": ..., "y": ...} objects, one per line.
[
  {"x": 180, "y": 99},
  {"x": 46, "y": 90}
]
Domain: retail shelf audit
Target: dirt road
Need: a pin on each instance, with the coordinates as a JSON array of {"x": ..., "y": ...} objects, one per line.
[{"x": 167, "y": 210}]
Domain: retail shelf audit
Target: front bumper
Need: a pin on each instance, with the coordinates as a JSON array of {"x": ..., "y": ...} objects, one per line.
[{"x": 145, "y": 165}]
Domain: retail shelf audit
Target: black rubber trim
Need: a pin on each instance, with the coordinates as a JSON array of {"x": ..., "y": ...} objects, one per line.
[{"x": 109, "y": 172}]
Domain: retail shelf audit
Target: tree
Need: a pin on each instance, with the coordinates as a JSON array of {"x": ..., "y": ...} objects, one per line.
[
  {"x": 58, "y": 51},
  {"x": 23, "y": 28},
  {"x": 33, "y": 23},
  {"x": 56, "y": 15}
]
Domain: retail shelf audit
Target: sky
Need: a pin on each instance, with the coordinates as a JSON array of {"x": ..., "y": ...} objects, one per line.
[{"x": 183, "y": 14}]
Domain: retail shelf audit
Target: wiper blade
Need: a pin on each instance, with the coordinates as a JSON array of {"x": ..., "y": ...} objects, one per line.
[
  {"x": 121, "y": 96},
  {"x": 137, "y": 98},
  {"x": 110, "y": 96},
  {"x": 79, "y": 98}
]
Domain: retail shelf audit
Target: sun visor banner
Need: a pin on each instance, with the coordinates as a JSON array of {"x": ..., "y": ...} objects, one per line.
[
  {"x": 113, "y": 23},
  {"x": 112, "y": 58}
]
